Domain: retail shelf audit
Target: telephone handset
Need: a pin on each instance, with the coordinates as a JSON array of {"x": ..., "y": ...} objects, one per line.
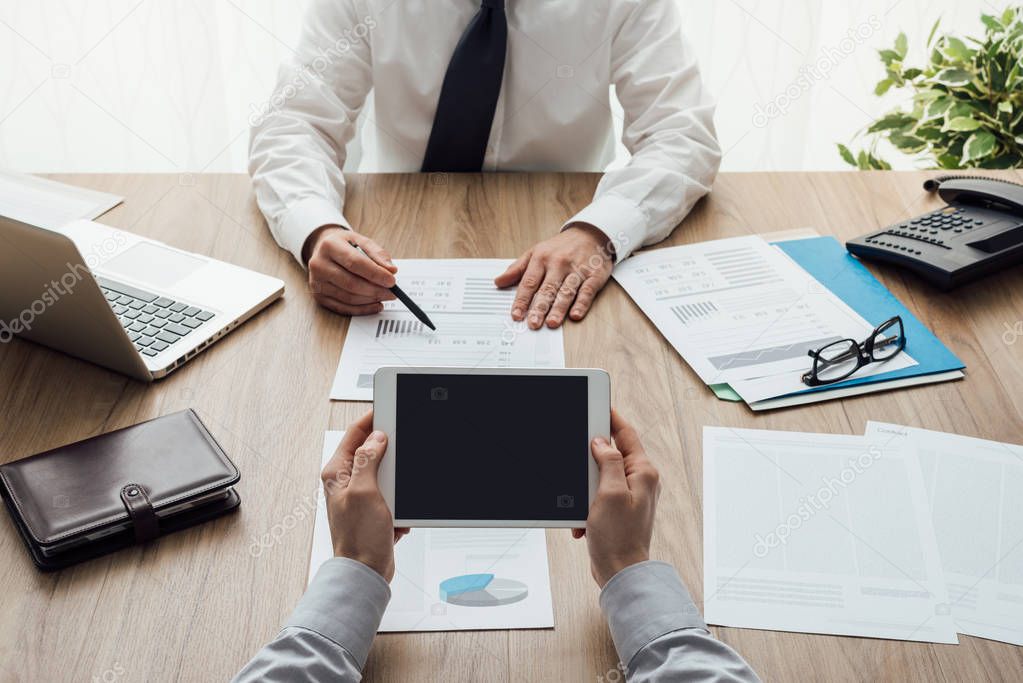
[{"x": 979, "y": 232}]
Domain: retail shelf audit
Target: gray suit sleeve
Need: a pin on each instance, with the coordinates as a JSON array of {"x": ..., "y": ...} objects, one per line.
[
  {"x": 658, "y": 632},
  {"x": 329, "y": 634}
]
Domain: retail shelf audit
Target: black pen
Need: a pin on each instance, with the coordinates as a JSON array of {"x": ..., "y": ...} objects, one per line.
[{"x": 403, "y": 297}]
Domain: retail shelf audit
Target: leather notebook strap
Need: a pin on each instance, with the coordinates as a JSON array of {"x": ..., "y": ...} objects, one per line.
[{"x": 140, "y": 510}]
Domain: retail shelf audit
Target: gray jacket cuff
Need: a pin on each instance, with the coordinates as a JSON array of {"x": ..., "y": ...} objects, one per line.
[
  {"x": 344, "y": 603},
  {"x": 644, "y": 602}
]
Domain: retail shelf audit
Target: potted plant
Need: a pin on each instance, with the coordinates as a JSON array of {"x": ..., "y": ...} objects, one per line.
[{"x": 966, "y": 109}]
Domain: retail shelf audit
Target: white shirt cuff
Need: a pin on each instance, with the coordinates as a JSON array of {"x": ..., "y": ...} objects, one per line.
[
  {"x": 623, "y": 222},
  {"x": 303, "y": 219},
  {"x": 644, "y": 602},
  {"x": 344, "y": 603}
]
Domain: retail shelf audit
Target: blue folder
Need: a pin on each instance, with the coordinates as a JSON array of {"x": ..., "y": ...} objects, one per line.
[{"x": 835, "y": 268}]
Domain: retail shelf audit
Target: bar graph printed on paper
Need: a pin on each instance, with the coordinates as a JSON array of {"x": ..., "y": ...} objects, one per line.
[
  {"x": 688, "y": 312},
  {"x": 398, "y": 328}
]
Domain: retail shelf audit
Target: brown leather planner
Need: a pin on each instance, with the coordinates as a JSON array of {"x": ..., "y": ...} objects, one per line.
[{"x": 129, "y": 486}]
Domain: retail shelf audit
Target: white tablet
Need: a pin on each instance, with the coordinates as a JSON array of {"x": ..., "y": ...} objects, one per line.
[{"x": 490, "y": 447}]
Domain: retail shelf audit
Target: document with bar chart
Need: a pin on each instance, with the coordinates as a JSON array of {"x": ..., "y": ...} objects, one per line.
[
  {"x": 739, "y": 309},
  {"x": 474, "y": 327}
]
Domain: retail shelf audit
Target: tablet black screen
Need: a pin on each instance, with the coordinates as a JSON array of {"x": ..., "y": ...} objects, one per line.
[{"x": 492, "y": 447}]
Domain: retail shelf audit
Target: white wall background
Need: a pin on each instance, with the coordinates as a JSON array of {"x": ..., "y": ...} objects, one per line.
[{"x": 169, "y": 85}]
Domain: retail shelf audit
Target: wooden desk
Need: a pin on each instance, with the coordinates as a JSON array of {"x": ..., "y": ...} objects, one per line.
[{"x": 198, "y": 604}]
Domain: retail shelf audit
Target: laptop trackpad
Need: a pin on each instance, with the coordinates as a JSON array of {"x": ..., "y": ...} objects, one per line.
[{"x": 150, "y": 263}]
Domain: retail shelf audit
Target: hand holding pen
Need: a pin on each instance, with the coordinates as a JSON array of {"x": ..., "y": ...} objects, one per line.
[
  {"x": 344, "y": 279},
  {"x": 404, "y": 298},
  {"x": 351, "y": 274}
]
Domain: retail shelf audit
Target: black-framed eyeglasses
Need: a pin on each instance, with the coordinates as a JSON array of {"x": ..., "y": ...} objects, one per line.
[{"x": 839, "y": 360}]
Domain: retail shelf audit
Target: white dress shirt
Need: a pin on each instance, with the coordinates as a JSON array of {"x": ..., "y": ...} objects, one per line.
[{"x": 553, "y": 113}]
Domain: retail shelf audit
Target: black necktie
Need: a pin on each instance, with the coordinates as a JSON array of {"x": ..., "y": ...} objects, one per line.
[{"x": 468, "y": 98}]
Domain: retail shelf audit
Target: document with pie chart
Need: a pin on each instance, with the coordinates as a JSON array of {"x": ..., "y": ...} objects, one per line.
[{"x": 457, "y": 579}]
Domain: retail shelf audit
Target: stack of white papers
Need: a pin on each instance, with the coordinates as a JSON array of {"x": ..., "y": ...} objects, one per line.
[
  {"x": 457, "y": 579},
  {"x": 47, "y": 203},
  {"x": 473, "y": 320},
  {"x": 820, "y": 533},
  {"x": 902, "y": 533},
  {"x": 741, "y": 312},
  {"x": 975, "y": 500}
]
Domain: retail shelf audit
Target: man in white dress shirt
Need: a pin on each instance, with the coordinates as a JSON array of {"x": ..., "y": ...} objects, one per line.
[{"x": 487, "y": 85}]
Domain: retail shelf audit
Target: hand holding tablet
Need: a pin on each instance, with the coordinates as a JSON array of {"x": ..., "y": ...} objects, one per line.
[
  {"x": 361, "y": 526},
  {"x": 490, "y": 447},
  {"x": 621, "y": 520},
  {"x": 619, "y": 514}
]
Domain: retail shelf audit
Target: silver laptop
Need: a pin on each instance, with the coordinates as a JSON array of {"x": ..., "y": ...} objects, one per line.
[{"x": 119, "y": 300}]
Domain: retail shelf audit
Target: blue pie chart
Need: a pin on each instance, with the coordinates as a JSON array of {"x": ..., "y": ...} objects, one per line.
[{"x": 482, "y": 590}]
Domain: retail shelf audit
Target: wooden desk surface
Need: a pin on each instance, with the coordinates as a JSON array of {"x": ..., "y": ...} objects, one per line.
[{"x": 196, "y": 605}]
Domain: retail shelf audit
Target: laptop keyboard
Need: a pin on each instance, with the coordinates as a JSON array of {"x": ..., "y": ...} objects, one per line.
[{"x": 152, "y": 322}]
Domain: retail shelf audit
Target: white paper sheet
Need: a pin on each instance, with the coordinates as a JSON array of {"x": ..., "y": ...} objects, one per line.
[
  {"x": 975, "y": 492},
  {"x": 763, "y": 388},
  {"x": 48, "y": 204},
  {"x": 854, "y": 390},
  {"x": 819, "y": 533},
  {"x": 473, "y": 320},
  {"x": 516, "y": 558},
  {"x": 738, "y": 309}
]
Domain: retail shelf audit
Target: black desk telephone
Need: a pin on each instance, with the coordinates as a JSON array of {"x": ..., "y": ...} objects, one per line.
[{"x": 979, "y": 232}]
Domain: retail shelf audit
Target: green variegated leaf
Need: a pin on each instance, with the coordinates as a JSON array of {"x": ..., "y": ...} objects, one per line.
[
  {"x": 948, "y": 161},
  {"x": 938, "y": 107},
  {"x": 960, "y": 109},
  {"x": 990, "y": 22},
  {"x": 847, "y": 156},
  {"x": 994, "y": 49},
  {"x": 901, "y": 45},
  {"x": 963, "y": 124},
  {"x": 1012, "y": 79},
  {"x": 891, "y": 121},
  {"x": 1001, "y": 161},
  {"x": 888, "y": 56},
  {"x": 1005, "y": 106},
  {"x": 882, "y": 87},
  {"x": 978, "y": 146},
  {"x": 907, "y": 143},
  {"x": 929, "y": 133},
  {"x": 953, "y": 77},
  {"x": 957, "y": 50}
]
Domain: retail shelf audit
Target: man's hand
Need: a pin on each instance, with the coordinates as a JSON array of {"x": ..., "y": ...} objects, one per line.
[
  {"x": 342, "y": 278},
  {"x": 621, "y": 519},
  {"x": 564, "y": 271},
  {"x": 361, "y": 525}
]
